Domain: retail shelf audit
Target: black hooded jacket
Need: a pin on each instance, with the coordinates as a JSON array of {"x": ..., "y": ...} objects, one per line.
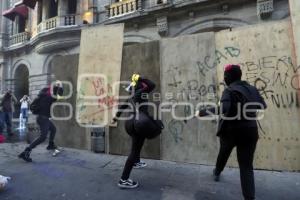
[
  {"x": 144, "y": 86},
  {"x": 46, "y": 100},
  {"x": 237, "y": 94}
]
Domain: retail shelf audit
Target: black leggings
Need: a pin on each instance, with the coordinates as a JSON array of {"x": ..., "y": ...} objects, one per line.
[
  {"x": 134, "y": 156},
  {"x": 245, "y": 141},
  {"x": 45, "y": 126}
]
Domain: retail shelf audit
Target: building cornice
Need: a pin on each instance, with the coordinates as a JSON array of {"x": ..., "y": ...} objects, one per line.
[{"x": 47, "y": 41}]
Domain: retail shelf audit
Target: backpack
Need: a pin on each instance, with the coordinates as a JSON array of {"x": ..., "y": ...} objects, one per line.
[
  {"x": 35, "y": 106},
  {"x": 143, "y": 124},
  {"x": 147, "y": 126}
]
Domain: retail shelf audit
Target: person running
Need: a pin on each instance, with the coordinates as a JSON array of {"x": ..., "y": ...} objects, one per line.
[
  {"x": 240, "y": 131},
  {"x": 46, "y": 99},
  {"x": 25, "y": 101},
  {"x": 140, "y": 86},
  {"x": 7, "y": 105}
]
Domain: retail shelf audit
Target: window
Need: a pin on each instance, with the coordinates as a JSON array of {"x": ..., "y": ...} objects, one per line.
[
  {"x": 72, "y": 6},
  {"x": 21, "y": 23},
  {"x": 52, "y": 12}
]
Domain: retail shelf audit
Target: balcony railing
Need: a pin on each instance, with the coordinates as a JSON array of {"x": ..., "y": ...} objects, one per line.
[
  {"x": 48, "y": 24},
  {"x": 19, "y": 38},
  {"x": 122, "y": 8},
  {"x": 70, "y": 20},
  {"x": 52, "y": 23}
]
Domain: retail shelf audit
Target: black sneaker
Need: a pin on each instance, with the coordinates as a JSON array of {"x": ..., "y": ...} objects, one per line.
[
  {"x": 216, "y": 176},
  {"x": 25, "y": 155},
  {"x": 51, "y": 146},
  {"x": 139, "y": 165},
  {"x": 127, "y": 184}
]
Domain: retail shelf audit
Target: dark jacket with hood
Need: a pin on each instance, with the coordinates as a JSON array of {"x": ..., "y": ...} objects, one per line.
[
  {"x": 46, "y": 100},
  {"x": 238, "y": 93},
  {"x": 144, "y": 86},
  {"x": 7, "y": 102}
]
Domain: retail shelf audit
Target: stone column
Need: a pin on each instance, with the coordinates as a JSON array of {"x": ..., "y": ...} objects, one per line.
[
  {"x": 39, "y": 14},
  {"x": 91, "y": 9},
  {"x": 3, "y": 21},
  {"x": 295, "y": 19},
  {"x": 3, "y": 41},
  {"x": 62, "y": 8},
  {"x": 15, "y": 23},
  {"x": 45, "y": 12},
  {"x": 62, "y": 11},
  {"x": 79, "y": 12},
  {"x": 7, "y": 79},
  {"x": 29, "y": 20},
  {"x": 1, "y": 17},
  {"x": 139, "y": 5},
  {"x": 79, "y": 7},
  {"x": 83, "y": 7},
  {"x": 2, "y": 30}
]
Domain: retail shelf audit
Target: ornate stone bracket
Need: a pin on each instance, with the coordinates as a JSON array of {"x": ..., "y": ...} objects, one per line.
[
  {"x": 162, "y": 25},
  {"x": 264, "y": 8}
]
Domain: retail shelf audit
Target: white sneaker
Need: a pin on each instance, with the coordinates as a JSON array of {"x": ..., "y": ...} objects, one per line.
[
  {"x": 139, "y": 165},
  {"x": 127, "y": 184}
]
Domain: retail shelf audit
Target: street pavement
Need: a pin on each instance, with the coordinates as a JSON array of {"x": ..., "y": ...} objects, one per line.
[{"x": 83, "y": 175}]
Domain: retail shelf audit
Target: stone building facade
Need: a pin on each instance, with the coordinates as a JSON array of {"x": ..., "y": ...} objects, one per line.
[{"x": 34, "y": 32}]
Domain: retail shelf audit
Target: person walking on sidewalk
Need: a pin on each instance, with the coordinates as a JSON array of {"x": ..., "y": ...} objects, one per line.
[
  {"x": 140, "y": 86},
  {"x": 25, "y": 102},
  {"x": 238, "y": 131},
  {"x": 7, "y": 105},
  {"x": 43, "y": 103}
]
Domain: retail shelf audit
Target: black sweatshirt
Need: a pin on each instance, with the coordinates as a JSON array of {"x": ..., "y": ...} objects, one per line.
[
  {"x": 46, "y": 100},
  {"x": 144, "y": 86},
  {"x": 228, "y": 106}
]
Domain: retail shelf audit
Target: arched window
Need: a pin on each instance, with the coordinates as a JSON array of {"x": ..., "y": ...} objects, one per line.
[{"x": 21, "y": 77}]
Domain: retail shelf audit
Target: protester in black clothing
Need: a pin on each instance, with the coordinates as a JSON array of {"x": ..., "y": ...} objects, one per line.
[
  {"x": 241, "y": 131},
  {"x": 7, "y": 109},
  {"x": 45, "y": 102},
  {"x": 139, "y": 86}
]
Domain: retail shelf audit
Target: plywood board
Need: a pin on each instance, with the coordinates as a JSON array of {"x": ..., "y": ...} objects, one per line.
[
  {"x": 99, "y": 73},
  {"x": 188, "y": 77},
  {"x": 265, "y": 54}
]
